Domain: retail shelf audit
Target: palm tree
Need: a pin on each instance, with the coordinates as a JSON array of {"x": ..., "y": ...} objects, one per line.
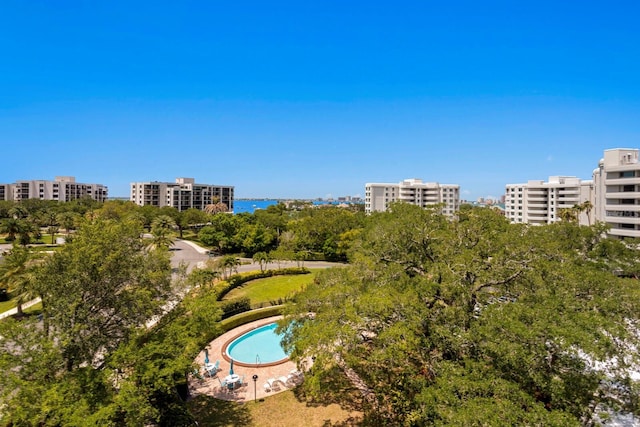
[
  {"x": 216, "y": 206},
  {"x": 162, "y": 231},
  {"x": 230, "y": 263},
  {"x": 164, "y": 222},
  {"x": 67, "y": 220},
  {"x": 16, "y": 275},
  {"x": 261, "y": 258},
  {"x": 567, "y": 214},
  {"x": 11, "y": 227},
  {"x": 18, "y": 212},
  {"x": 587, "y": 206},
  {"x": 52, "y": 230}
]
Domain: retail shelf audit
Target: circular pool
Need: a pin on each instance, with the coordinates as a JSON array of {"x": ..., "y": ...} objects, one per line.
[{"x": 258, "y": 347}]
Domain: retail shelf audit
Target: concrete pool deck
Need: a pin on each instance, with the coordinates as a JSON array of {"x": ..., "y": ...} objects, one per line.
[{"x": 211, "y": 386}]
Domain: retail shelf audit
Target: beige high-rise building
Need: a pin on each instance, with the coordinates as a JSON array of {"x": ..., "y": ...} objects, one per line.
[
  {"x": 540, "y": 202},
  {"x": 414, "y": 191},
  {"x": 617, "y": 192},
  {"x": 62, "y": 188},
  {"x": 183, "y": 194}
]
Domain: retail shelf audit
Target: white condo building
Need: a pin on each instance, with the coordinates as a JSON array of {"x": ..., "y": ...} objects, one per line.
[
  {"x": 414, "y": 191},
  {"x": 183, "y": 194},
  {"x": 617, "y": 192},
  {"x": 62, "y": 188},
  {"x": 540, "y": 202}
]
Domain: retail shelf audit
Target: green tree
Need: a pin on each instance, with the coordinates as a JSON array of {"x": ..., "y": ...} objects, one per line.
[
  {"x": 262, "y": 258},
  {"x": 229, "y": 264},
  {"x": 11, "y": 227},
  {"x": 68, "y": 220},
  {"x": 17, "y": 275},
  {"x": 100, "y": 287},
  {"x": 469, "y": 321},
  {"x": 162, "y": 231},
  {"x": 318, "y": 230}
]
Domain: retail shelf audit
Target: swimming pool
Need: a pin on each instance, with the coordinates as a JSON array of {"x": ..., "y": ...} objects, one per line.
[{"x": 258, "y": 347}]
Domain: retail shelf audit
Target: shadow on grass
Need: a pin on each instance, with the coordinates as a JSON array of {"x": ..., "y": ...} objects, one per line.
[
  {"x": 339, "y": 391},
  {"x": 214, "y": 412}
]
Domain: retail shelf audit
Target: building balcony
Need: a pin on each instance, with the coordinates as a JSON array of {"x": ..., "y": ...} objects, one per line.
[
  {"x": 535, "y": 198},
  {"x": 623, "y": 195},
  {"x": 622, "y": 181},
  {"x": 612, "y": 219},
  {"x": 621, "y": 207},
  {"x": 622, "y": 232}
]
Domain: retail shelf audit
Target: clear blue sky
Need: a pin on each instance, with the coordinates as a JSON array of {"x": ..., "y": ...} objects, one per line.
[{"x": 313, "y": 98}]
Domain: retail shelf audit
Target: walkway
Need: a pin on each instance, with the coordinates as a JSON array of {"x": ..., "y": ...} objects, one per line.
[{"x": 211, "y": 386}]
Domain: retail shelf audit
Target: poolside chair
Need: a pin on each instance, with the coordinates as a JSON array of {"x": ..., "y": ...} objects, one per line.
[
  {"x": 283, "y": 379},
  {"x": 223, "y": 384},
  {"x": 212, "y": 368},
  {"x": 271, "y": 384},
  {"x": 196, "y": 374}
]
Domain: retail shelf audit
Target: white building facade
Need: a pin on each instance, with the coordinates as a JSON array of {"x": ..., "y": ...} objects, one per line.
[
  {"x": 540, "y": 202},
  {"x": 414, "y": 191},
  {"x": 617, "y": 192},
  {"x": 62, "y": 188},
  {"x": 183, "y": 194}
]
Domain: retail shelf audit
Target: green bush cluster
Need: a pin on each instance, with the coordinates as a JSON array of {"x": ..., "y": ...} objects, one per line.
[
  {"x": 250, "y": 316},
  {"x": 235, "y": 306}
]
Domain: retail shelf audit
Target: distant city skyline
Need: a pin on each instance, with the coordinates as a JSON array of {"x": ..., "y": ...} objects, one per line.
[{"x": 310, "y": 99}]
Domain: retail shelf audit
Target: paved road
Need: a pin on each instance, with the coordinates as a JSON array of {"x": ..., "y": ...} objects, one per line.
[{"x": 194, "y": 255}]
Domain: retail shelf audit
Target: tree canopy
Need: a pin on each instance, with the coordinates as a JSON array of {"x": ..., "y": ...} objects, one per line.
[{"x": 473, "y": 321}]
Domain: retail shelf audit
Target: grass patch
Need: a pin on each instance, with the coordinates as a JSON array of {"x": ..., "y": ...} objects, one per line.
[
  {"x": 280, "y": 410},
  {"x": 7, "y": 305},
  {"x": 271, "y": 288}
]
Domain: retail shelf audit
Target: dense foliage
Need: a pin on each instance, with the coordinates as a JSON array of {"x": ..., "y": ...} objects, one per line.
[
  {"x": 90, "y": 360},
  {"x": 474, "y": 321}
]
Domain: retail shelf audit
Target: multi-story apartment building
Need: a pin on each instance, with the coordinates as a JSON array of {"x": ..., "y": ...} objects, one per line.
[
  {"x": 62, "y": 188},
  {"x": 539, "y": 202},
  {"x": 414, "y": 191},
  {"x": 617, "y": 192},
  {"x": 183, "y": 194}
]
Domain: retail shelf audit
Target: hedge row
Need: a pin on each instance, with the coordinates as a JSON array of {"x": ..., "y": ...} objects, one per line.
[
  {"x": 250, "y": 316},
  {"x": 223, "y": 287}
]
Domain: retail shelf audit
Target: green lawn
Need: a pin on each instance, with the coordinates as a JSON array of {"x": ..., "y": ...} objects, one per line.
[
  {"x": 7, "y": 305},
  {"x": 281, "y": 410},
  {"x": 271, "y": 288}
]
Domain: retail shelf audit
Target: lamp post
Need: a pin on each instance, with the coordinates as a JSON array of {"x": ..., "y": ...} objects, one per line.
[{"x": 255, "y": 380}]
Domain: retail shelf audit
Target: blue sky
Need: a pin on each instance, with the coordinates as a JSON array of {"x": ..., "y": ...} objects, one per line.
[{"x": 316, "y": 98}]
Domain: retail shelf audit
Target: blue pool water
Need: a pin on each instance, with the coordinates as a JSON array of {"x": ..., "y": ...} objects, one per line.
[{"x": 261, "y": 345}]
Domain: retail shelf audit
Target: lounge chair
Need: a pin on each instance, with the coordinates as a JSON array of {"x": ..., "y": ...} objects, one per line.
[
  {"x": 196, "y": 374},
  {"x": 271, "y": 384},
  {"x": 213, "y": 366},
  {"x": 211, "y": 372},
  {"x": 284, "y": 380}
]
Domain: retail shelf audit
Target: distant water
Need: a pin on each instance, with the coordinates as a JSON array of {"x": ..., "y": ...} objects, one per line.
[{"x": 250, "y": 205}]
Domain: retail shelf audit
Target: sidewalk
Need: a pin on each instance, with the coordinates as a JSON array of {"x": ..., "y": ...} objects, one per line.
[{"x": 14, "y": 310}]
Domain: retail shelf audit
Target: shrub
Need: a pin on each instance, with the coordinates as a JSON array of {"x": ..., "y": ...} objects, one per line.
[
  {"x": 250, "y": 316},
  {"x": 235, "y": 306}
]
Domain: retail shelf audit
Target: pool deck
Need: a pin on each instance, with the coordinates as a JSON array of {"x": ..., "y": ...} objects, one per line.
[{"x": 211, "y": 386}]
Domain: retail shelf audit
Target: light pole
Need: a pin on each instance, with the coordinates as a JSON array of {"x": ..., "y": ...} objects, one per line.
[{"x": 255, "y": 380}]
